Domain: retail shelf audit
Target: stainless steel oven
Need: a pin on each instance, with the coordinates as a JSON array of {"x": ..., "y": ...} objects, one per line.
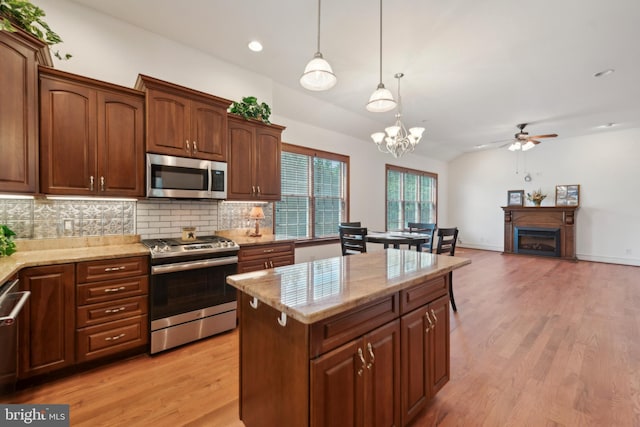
[
  {"x": 189, "y": 295},
  {"x": 11, "y": 302}
]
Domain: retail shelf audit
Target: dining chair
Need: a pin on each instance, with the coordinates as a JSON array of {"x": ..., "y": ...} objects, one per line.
[
  {"x": 353, "y": 240},
  {"x": 423, "y": 228},
  {"x": 352, "y": 224},
  {"x": 447, "y": 239}
]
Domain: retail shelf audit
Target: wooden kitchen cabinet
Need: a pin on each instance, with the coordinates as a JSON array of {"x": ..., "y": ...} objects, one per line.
[
  {"x": 91, "y": 137},
  {"x": 358, "y": 384},
  {"x": 20, "y": 54},
  {"x": 184, "y": 122},
  {"x": 254, "y": 160},
  {"x": 263, "y": 256},
  {"x": 47, "y": 321},
  {"x": 112, "y": 306}
]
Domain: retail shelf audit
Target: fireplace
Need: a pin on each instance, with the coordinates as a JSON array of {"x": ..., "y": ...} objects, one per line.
[
  {"x": 537, "y": 241},
  {"x": 560, "y": 220}
]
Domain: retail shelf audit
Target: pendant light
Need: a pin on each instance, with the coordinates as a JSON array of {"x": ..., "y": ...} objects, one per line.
[
  {"x": 381, "y": 99},
  {"x": 318, "y": 74}
]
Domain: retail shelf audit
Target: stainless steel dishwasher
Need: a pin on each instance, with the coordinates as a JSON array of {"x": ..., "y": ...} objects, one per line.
[{"x": 11, "y": 302}]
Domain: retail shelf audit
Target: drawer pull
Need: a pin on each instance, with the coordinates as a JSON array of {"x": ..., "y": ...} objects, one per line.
[
  {"x": 364, "y": 364},
  {"x": 121, "y": 288},
  {"x": 114, "y": 310},
  {"x": 117, "y": 337},
  {"x": 268, "y": 251},
  {"x": 373, "y": 357},
  {"x": 108, "y": 269}
]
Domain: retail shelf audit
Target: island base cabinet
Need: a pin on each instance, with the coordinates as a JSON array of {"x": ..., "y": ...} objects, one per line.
[
  {"x": 274, "y": 368},
  {"x": 358, "y": 384}
]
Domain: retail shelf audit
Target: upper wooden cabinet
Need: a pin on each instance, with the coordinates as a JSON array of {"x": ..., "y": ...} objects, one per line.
[
  {"x": 254, "y": 160},
  {"x": 184, "y": 122},
  {"x": 20, "y": 54},
  {"x": 91, "y": 137}
]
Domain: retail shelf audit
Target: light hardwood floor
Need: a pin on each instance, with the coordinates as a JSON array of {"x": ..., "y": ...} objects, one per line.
[{"x": 535, "y": 342}]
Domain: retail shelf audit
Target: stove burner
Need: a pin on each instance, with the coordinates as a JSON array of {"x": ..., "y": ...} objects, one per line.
[{"x": 168, "y": 247}]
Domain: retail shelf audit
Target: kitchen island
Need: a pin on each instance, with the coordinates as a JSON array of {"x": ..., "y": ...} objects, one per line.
[{"x": 360, "y": 340}]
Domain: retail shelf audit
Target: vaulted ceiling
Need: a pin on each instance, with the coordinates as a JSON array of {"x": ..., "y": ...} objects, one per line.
[{"x": 474, "y": 69}]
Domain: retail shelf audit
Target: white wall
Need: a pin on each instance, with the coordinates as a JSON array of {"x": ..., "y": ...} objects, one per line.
[
  {"x": 605, "y": 166},
  {"x": 116, "y": 52}
]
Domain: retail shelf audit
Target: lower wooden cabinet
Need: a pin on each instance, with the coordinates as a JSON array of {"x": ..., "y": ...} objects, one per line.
[
  {"x": 47, "y": 325},
  {"x": 263, "y": 256},
  {"x": 358, "y": 384}
]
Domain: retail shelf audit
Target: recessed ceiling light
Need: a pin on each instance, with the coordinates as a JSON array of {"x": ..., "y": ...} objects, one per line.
[
  {"x": 255, "y": 46},
  {"x": 604, "y": 73}
]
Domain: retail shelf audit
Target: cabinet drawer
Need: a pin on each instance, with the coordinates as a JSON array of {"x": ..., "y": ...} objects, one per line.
[
  {"x": 93, "y": 271},
  {"x": 111, "y": 290},
  {"x": 95, "y": 314},
  {"x": 339, "y": 329},
  {"x": 265, "y": 251},
  {"x": 111, "y": 338},
  {"x": 414, "y": 297}
]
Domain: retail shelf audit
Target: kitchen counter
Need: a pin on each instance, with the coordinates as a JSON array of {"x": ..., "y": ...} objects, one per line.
[
  {"x": 245, "y": 240},
  {"x": 39, "y": 252},
  {"x": 347, "y": 340},
  {"x": 309, "y": 292}
]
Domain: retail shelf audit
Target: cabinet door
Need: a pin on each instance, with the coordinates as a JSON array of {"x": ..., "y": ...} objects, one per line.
[
  {"x": 67, "y": 138},
  {"x": 415, "y": 336},
  {"x": 267, "y": 163},
  {"x": 439, "y": 355},
  {"x": 47, "y": 326},
  {"x": 168, "y": 123},
  {"x": 337, "y": 387},
  {"x": 120, "y": 145},
  {"x": 208, "y": 131},
  {"x": 240, "y": 185},
  {"x": 18, "y": 115}
]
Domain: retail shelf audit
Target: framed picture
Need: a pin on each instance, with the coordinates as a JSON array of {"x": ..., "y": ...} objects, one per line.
[
  {"x": 567, "y": 195},
  {"x": 515, "y": 197}
]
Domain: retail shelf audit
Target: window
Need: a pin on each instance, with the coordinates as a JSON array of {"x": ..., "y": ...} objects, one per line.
[
  {"x": 314, "y": 193},
  {"x": 411, "y": 197}
]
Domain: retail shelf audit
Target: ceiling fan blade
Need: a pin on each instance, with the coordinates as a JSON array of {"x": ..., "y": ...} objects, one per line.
[
  {"x": 534, "y": 141},
  {"x": 550, "y": 135}
]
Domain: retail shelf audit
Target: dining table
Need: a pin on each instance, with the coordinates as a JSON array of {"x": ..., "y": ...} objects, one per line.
[{"x": 397, "y": 238}]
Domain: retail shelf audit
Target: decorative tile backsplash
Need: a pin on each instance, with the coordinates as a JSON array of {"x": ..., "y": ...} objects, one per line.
[{"x": 54, "y": 218}]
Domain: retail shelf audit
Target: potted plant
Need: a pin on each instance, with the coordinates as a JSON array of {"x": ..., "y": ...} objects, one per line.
[
  {"x": 249, "y": 108},
  {"x": 29, "y": 17},
  {"x": 7, "y": 245}
]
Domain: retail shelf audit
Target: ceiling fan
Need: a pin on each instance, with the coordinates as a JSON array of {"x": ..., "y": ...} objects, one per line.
[{"x": 525, "y": 142}]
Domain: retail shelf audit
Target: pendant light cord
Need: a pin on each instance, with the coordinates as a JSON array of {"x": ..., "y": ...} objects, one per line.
[
  {"x": 318, "y": 26},
  {"x": 380, "y": 41}
]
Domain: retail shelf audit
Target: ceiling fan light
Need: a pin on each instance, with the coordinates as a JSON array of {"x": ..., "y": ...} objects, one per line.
[
  {"x": 514, "y": 147},
  {"x": 318, "y": 74},
  {"x": 381, "y": 100},
  {"x": 528, "y": 146}
]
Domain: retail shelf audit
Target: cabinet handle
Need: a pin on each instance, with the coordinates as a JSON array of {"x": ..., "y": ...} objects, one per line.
[
  {"x": 121, "y": 288},
  {"x": 268, "y": 251},
  {"x": 188, "y": 149},
  {"x": 258, "y": 190},
  {"x": 253, "y": 190},
  {"x": 364, "y": 364},
  {"x": 435, "y": 319},
  {"x": 195, "y": 146},
  {"x": 117, "y": 337},
  {"x": 282, "y": 320},
  {"x": 373, "y": 357},
  {"x": 271, "y": 264},
  {"x": 114, "y": 310},
  {"x": 428, "y": 320},
  {"x": 254, "y": 303},
  {"x": 102, "y": 183},
  {"x": 91, "y": 183},
  {"x": 266, "y": 265},
  {"x": 108, "y": 269}
]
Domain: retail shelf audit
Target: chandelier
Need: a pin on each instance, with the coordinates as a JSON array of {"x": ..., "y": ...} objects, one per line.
[{"x": 395, "y": 140}]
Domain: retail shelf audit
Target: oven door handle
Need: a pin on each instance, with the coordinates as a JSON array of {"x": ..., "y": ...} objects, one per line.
[
  {"x": 11, "y": 318},
  {"x": 193, "y": 265}
]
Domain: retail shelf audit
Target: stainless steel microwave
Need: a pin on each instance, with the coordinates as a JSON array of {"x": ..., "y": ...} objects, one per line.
[{"x": 184, "y": 178}]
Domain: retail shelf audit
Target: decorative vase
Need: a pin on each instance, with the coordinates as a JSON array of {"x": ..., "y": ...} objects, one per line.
[{"x": 536, "y": 203}]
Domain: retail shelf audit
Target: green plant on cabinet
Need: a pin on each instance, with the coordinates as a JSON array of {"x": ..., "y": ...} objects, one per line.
[{"x": 249, "y": 108}]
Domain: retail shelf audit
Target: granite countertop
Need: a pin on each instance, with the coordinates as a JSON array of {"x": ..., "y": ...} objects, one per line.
[
  {"x": 316, "y": 290},
  {"x": 32, "y": 253},
  {"x": 244, "y": 240}
]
